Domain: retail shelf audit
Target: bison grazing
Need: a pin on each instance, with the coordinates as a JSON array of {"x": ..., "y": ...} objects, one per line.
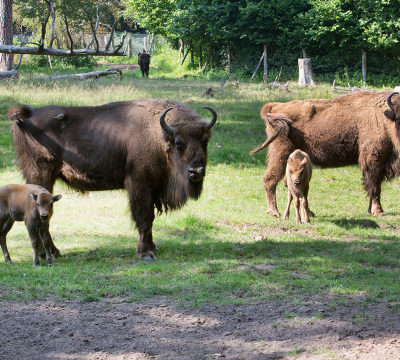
[
  {"x": 360, "y": 128},
  {"x": 144, "y": 62},
  {"x": 156, "y": 150},
  {"x": 297, "y": 179},
  {"x": 33, "y": 205}
]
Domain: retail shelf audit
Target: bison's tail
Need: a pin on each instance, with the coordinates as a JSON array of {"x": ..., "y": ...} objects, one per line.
[
  {"x": 19, "y": 114},
  {"x": 278, "y": 126}
]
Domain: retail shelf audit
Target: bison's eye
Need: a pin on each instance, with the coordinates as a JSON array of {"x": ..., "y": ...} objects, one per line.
[{"x": 180, "y": 146}]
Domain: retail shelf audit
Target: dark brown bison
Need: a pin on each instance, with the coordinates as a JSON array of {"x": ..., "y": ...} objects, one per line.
[
  {"x": 144, "y": 62},
  {"x": 33, "y": 205},
  {"x": 360, "y": 128},
  {"x": 156, "y": 150}
]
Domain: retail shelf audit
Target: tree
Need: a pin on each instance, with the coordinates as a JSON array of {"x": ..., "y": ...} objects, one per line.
[
  {"x": 6, "y": 34},
  {"x": 78, "y": 16}
]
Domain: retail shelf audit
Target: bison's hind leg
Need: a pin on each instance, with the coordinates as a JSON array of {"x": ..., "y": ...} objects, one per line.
[{"x": 278, "y": 154}]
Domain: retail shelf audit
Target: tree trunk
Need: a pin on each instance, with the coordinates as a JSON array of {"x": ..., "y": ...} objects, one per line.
[
  {"x": 200, "y": 57},
  {"x": 305, "y": 72},
  {"x": 364, "y": 66},
  {"x": 229, "y": 60},
  {"x": 6, "y": 34},
  {"x": 181, "y": 50},
  {"x": 265, "y": 64},
  {"x": 191, "y": 52},
  {"x": 210, "y": 56}
]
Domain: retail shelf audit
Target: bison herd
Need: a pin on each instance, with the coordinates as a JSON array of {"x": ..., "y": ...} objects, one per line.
[{"x": 157, "y": 151}]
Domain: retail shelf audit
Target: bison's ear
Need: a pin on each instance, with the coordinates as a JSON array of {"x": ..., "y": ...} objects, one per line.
[
  {"x": 289, "y": 160},
  {"x": 304, "y": 161},
  {"x": 57, "y": 197},
  {"x": 389, "y": 114},
  {"x": 34, "y": 196}
]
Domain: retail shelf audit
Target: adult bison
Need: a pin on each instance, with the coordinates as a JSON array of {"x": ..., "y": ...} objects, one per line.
[
  {"x": 144, "y": 62},
  {"x": 156, "y": 150},
  {"x": 360, "y": 128}
]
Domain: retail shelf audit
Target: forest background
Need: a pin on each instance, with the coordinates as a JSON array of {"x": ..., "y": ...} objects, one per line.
[{"x": 333, "y": 33}]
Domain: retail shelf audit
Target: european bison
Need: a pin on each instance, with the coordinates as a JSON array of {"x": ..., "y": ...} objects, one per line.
[
  {"x": 156, "y": 150},
  {"x": 33, "y": 205},
  {"x": 297, "y": 179},
  {"x": 144, "y": 62},
  {"x": 359, "y": 128}
]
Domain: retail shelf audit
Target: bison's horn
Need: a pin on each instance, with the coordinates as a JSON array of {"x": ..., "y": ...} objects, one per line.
[
  {"x": 389, "y": 100},
  {"x": 168, "y": 129},
  {"x": 214, "y": 117}
]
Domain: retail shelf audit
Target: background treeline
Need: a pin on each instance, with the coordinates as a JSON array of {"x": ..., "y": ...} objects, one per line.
[{"x": 334, "y": 33}]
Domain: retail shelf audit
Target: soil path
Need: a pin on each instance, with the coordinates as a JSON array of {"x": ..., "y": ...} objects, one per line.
[{"x": 161, "y": 329}]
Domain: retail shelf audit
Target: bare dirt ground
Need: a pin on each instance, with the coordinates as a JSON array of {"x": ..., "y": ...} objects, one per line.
[{"x": 161, "y": 329}]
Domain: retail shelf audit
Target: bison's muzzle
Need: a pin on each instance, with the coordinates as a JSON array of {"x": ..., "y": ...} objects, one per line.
[{"x": 196, "y": 173}]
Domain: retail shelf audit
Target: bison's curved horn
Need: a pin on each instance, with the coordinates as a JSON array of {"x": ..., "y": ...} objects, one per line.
[
  {"x": 168, "y": 129},
  {"x": 389, "y": 100},
  {"x": 214, "y": 117}
]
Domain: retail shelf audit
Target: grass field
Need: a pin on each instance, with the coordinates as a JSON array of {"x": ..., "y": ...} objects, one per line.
[{"x": 223, "y": 248}]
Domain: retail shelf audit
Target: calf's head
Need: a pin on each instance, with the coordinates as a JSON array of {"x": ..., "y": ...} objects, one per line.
[
  {"x": 44, "y": 203},
  {"x": 296, "y": 170},
  {"x": 186, "y": 144}
]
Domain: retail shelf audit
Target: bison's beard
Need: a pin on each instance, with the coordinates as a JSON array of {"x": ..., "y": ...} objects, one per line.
[{"x": 179, "y": 190}]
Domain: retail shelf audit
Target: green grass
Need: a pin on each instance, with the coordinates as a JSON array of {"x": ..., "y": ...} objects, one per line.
[{"x": 223, "y": 248}]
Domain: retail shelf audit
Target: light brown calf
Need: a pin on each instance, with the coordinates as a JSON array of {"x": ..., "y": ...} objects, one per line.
[
  {"x": 297, "y": 179},
  {"x": 32, "y": 204}
]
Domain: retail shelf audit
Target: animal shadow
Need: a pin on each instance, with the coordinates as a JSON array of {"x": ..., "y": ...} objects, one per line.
[{"x": 353, "y": 223}]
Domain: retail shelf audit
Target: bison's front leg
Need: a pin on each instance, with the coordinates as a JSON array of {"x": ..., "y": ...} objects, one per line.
[
  {"x": 142, "y": 209},
  {"x": 373, "y": 174}
]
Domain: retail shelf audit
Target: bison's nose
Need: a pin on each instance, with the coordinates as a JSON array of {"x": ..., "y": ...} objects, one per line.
[
  {"x": 44, "y": 217},
  {"x": 196, "y": 173},
  {"x": 296, "y": 182}
]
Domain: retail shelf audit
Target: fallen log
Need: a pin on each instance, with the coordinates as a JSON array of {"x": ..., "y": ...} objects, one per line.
[
  {"x": 90, "y": 75},
  {"x": 13, "y": 74},
  {"x": 10, "y": 49}
]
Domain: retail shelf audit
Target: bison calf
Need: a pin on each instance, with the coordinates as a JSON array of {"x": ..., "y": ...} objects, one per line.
[
  {"x": 32, "y": 204},
  {"x": 297, "y": 179}
]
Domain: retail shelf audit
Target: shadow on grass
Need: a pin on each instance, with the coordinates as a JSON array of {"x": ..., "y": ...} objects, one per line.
[
  {"x": 355, "y": 223},
  {"x": 200, "y": 260}
]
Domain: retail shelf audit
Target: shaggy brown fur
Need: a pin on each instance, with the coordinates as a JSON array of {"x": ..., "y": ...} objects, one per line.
[
  {"x": 33, "y": 205},
  {"x": 115, "y": 146},
  {"x": 144, "y": 62},
  {"x": 358, "y": 128},
  {"x": 297, "y": 179}
]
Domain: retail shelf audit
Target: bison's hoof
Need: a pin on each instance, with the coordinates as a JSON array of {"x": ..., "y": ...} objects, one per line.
[
  {"x": 149, "y": 256},
  {"x": 273, "y": 213}
]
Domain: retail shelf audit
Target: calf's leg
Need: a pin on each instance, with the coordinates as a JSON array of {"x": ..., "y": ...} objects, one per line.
[
  {"x": 288, "y": 205},
  {"x": 296, "y": 202},
  {"x": 6, "y": 224},
  {"x": 46, "y": 179},
  {"x": 35, "y": 237}
]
